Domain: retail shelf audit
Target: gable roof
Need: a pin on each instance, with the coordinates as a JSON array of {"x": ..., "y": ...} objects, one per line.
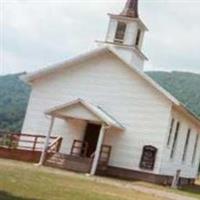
[
  {"x": 82, "y": 57},
  {"x": 97, "y": 52},
  {"x": 63, "y": 111}
]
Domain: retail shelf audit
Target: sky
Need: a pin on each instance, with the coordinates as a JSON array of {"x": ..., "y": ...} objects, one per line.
[{"x": 38, "y": 33}]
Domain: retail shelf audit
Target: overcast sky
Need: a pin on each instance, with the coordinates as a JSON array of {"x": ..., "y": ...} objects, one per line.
[{"x": 37, "y": 33}]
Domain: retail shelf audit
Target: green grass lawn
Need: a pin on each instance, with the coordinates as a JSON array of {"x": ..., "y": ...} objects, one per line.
[
  {"x": 22, "y": 181},
  {"x": 193, "y": 191}
]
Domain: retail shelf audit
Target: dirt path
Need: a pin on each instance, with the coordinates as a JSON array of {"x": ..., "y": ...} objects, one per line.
[{"x": 140, "y": 188}]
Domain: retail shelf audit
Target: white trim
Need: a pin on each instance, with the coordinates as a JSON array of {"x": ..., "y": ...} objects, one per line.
[
  {"x": 98, "y": 150},
  {"x": 146, "y": 77},
  {"x": 60, "y": 66},
  {"x": 96, "y": 52},
  {"x": 187, "y": 113},
  {"x": 96, "y": 110},
  {"x": 46, "y": 144},
  {"x": 123, "y": 46},
  {"x": 131, "y": 19},
  {"x": 30, "y": 77}
]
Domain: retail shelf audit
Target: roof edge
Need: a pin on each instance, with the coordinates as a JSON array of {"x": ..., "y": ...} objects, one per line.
[
  {"x": 32, "y": 76},
  {"x": 29, "y": 77},
  {"x": 99, "y": 113},
  {"x": 147, "y": 78},
  {"x": 188, "y": 113}
]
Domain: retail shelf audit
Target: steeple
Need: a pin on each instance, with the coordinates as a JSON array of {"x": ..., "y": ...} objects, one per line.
[
  {"x": 130, "y": 9},
  {"x": 125, "y": 34}
]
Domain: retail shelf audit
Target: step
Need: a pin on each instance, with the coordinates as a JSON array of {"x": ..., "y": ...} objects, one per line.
[{"x": 59, "y": 156}]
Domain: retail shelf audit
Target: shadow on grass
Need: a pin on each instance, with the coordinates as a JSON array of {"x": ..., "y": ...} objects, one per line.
[
  {"x": 194, "y": 189},
  {"x": 8, "y": 196}
]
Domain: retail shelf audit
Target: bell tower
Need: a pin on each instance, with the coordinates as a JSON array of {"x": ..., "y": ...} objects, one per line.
[{"x": 125, "y": 34}]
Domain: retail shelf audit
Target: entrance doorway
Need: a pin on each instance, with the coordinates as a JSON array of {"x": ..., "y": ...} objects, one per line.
[{"x": 91, "y": 137}]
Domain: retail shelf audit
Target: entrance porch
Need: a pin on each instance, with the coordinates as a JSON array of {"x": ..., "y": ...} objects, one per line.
[
  {"x": 90, "y": 152},
  {"x": 79, "y": 162}
]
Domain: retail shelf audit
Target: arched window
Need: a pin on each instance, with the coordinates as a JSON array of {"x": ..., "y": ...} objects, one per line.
[{"x": 148, "y": 157}]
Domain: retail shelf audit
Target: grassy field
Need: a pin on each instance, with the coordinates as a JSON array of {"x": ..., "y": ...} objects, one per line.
[
  {"x": 22, "y": 181},
  {"x": 190, "y": 191}
]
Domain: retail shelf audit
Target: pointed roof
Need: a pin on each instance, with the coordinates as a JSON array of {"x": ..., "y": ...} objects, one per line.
[
  {"x": 130, "y": 9},
  {"x": 81, "y": 109},
  {"x": 31, "y": 77}
]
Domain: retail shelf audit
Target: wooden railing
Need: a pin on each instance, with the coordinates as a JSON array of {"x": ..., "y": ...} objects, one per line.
[
  {"x": 79, "y": 148},
  {"x": 104, "y": 156},
  {"x": 54, "y": 147},
  {"x": 27, "y": 141}
]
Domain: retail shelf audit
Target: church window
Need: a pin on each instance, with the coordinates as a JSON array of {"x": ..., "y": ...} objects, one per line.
[
  {"x": 148, "y": 157},
  {"x": 175, "y": 140},
  {"x": 195, "y": 148},
  {"x": 120, "y": 32},
  {"x": 170, "y": 132},
  {"x": 137, "y": 42},
  {"x": 186, "y": 145}
]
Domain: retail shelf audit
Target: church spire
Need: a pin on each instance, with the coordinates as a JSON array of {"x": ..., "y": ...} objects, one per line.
[
  {"x": 130, "y": 9},
  {"x": 125, "y": 34}
]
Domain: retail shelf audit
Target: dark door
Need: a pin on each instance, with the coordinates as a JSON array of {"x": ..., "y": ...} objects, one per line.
[{"x": 91, "y": 137}]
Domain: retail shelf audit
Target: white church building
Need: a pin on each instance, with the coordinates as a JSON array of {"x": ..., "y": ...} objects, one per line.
[{"x": 114, "y": 119}]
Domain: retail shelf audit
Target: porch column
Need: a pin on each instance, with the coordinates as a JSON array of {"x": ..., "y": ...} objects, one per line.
[
  {"x": 43, "y": 155},
  {"x": 98, "y": 150}
]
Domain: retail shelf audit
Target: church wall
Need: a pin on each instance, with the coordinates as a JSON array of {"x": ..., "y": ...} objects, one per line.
[
  {"x": 36, "y": 122},
  {"x": 131, "y": 33},
  {"x": 111, "y": 30},
  {"x": 141, "y": 40},
  {"x": 170, "y": 165},
  {"x": 129, "y": 41},
  {"x": 104, "y": 81},
  {"x": 130, "y": 57}
]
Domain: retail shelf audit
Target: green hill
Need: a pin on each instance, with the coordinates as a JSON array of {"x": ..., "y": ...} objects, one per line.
[
  {"x": 183, "y": 85},
  {"x": 14, "y": 95}
]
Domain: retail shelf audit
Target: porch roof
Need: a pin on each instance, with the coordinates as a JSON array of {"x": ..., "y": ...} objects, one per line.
[{"x": 81, "y": 109}]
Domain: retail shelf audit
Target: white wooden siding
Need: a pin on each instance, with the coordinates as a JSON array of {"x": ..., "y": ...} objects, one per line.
[
  {"x": 129, "y": 39},
  {"x": 104, "y": 81},
  {"x": 77, "y": 111},
  {"x": 169, "y": 166}
]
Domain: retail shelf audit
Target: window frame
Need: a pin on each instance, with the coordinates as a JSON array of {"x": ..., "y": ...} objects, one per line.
[
  {"x": 120, "y": 34},
  {"x": 138, "y": 37},
  {"x": 195, "y": 148},
  {"x": 150, "y": 165},
  {"x": 175, "y": 140},
  {"x": 170, "y": 131},
  {"x": 186, "y": 145}
]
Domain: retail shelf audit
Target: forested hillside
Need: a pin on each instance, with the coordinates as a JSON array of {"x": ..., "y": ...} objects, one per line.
[
  {"x": 14, "y": 95},
  {"x": 183, "y": 85}
]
